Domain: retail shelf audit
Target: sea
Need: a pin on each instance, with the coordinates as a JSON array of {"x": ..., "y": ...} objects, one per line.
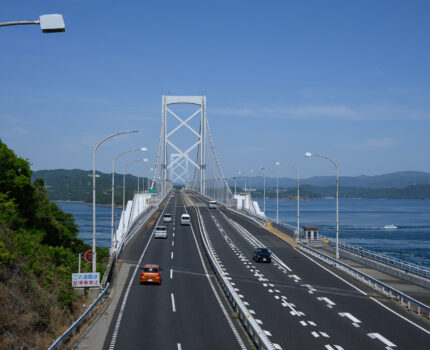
[
  {"x": 362, "y": 221},
  {"x": 83, "y": 214}
]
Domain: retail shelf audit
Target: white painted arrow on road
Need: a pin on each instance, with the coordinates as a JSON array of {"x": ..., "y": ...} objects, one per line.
[
  {"x": 355, "y": 321},
  {"x": 382, "y": 339}
]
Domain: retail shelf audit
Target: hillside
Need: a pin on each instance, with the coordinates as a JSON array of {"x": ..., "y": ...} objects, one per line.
[
  {"x": 76, "y": 185},
  {"x": 38, "y": 254},
  {"x": 399, "y": 179}
]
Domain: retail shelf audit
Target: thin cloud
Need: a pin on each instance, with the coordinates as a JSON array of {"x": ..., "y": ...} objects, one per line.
[
  {"x": 371, "y": 144},
  {"x": 325, "y": 112}
]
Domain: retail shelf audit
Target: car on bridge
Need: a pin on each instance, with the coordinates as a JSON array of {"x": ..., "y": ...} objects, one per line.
[
  {"x": 262, "y": 255},
  {"x": 160, "y": 232},
  {"x": 185, "y": 219},
  {"x": 212, "y": 204},
  {"x": 150, "y": 274},
  {"x": 167, "y": 218}
]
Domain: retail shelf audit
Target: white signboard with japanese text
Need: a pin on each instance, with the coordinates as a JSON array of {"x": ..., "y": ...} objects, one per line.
[{"x": 86, "y": 279}]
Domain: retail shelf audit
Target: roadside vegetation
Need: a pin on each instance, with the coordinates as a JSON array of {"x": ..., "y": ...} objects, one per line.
[{"x": 38, "y": 253}]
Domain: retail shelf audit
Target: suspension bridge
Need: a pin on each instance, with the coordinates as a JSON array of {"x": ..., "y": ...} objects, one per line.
[{"x": 213, "y": 294}]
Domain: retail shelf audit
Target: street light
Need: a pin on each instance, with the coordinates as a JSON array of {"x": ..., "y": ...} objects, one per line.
[
  {"x": 48, "y": 23},
  {"x": 234, "y": 185},
  {"x": 94, "y": 253},
  {"x": 143, "y": 149},
  {"x": 277, "y": 192},
  {"x": 143, "y": 179},
  {"x": 309, "y": 154},
  {"x": 298, "y": 196},
  {"x": 123, "y": 189}
]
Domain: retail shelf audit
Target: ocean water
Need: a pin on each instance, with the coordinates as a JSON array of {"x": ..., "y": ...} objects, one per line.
[
  {"x": 83, "y": 214},
  {"x": 362, "y": 221}
]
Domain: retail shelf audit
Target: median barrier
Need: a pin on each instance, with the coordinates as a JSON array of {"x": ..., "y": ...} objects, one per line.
[{"x": 257, "y": 335}]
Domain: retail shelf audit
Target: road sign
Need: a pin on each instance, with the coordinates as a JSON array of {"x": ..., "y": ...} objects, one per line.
[
  {"x": 89, "y": 256},
  {"x": 152, "y": 190},
  {"x": 86, "y": 279}
]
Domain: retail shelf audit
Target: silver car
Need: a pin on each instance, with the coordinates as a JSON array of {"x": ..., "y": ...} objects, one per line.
[
  {"x": 160, "y": 232},
  {"x": 167, "y": 218}
]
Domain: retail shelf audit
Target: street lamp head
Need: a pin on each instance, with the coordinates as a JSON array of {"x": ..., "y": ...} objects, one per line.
[
  {"x": 308, "y": 154},
  {"x": 152, "y": 169},
  {"x": 143, "y": 149},
  {"x": 278, "y": 163},
  {"x": 52, "y": 23},
  {"x": 145, "y": 159}
]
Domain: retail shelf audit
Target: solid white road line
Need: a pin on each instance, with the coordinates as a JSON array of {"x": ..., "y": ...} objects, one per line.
[
  {"x": 173, "y": 302},
  {"x": 224, "y": 311},
  {"x": 121, "y": 311}
]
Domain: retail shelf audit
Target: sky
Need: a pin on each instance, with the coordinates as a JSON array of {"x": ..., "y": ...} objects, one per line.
[{"x": 345, "y": 79}]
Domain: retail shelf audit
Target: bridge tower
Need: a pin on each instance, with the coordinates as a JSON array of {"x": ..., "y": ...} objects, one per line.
[{"x": 176, "y": 160}]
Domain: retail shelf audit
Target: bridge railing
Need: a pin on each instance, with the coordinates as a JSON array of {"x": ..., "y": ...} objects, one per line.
[
  {"x": 75, "y": 327},
  {"x": 373, "y": 283},
  {"x": 385, "y": 259},
  {"x": 257, "y": 335}
]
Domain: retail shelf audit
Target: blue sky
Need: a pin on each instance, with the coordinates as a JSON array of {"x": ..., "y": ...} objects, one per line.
[{"x": 350, "y": 80}]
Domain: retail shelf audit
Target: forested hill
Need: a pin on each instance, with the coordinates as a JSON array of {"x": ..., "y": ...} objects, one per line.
[
  {"x": 38, "y": 254},
  {"x": 76, "y": 185}
]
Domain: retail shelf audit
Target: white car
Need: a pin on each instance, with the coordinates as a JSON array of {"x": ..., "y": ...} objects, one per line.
[
  {"x": 160, "y": 232},
  {"x": 167, "y": 218},
  {"x": 185, "y": 219},
  {"x": 212, "y": 204}
]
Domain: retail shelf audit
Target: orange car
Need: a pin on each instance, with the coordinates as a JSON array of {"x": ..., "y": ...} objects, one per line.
[{"x": 150, "y": 274}]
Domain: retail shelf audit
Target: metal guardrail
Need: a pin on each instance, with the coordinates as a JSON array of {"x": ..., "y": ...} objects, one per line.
[
  {"x": 253, "y": 329},
  {"x": 74, "y": 328},
  {"x": 385, "y": 259},
  {"x": 373, "y": 283}
]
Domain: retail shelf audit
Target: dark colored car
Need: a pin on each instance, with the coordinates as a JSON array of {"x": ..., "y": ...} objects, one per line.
[{"x": 262, "y": 255}]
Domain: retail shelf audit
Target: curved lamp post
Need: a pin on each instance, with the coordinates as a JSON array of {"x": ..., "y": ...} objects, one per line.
[
  {"x": 298, "y": 196},
  {"x": 94, "y": 255},
  {"x": 48, "y": 23},
  {"x": 309, "y": 154},
  {"x": 277, "y": 192},
  {"x": 143, "y": 149}
]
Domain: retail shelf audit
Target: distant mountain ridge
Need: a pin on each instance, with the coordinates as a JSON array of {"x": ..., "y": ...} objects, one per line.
[{"x": 399, "y": 179}]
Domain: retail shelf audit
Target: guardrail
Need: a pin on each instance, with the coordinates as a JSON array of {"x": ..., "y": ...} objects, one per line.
[
  {"x": 253, "y": 329},
  {"x": 74, "y": 328},
  {"x": 387, "y": 260},
  {"x": 373, "y": 283}
]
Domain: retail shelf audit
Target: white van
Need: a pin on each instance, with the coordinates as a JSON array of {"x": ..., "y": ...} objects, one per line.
[
  {"x": 212, "y": 204},
  {"x": 185, "y": 219}
]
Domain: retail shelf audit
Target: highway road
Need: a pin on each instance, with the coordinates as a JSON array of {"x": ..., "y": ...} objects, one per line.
[
  {"x": 187, "y": 311},
  {"x": 301, "y": 303}
]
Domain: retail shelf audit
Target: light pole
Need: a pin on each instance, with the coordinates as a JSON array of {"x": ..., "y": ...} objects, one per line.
[
  {"x": 123, "y": 189},
  {"x": 277, "y": 192},
  {"x": 143, "y": 149},
  {"x": 143, "y": 179},
  {"x": 309, "y": 154},
  {"x": 298, "y": 196},
  {"x": 234, "y": 185},
  {"x": 94, "y": 253},
  {"x": 53, "y": 23}
]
